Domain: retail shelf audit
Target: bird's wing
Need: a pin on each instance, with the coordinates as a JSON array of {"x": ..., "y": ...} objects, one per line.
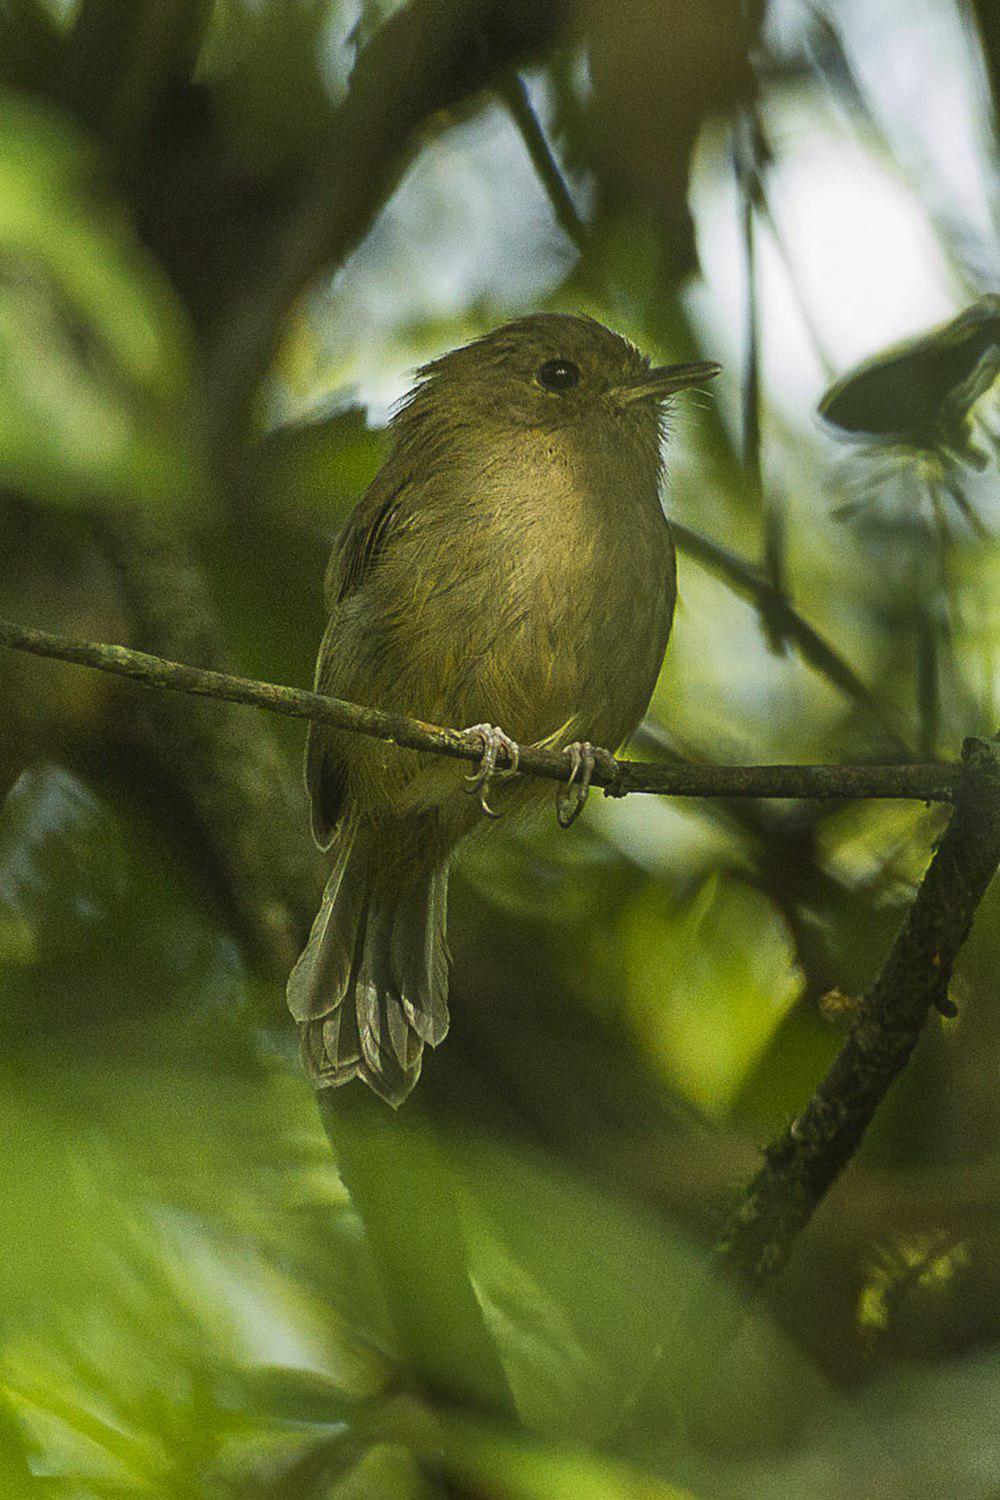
[
  {"x": 355, "y": 552},
  {"x": 363, "y": 538}
]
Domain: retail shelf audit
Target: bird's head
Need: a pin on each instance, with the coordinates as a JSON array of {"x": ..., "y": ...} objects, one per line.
[{"x": 550, "y": 373}]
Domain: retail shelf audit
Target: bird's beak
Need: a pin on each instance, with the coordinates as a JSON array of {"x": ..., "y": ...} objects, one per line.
[{"x": 663, "y": 380}]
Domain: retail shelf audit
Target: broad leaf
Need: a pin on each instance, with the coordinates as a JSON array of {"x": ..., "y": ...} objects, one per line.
[{"x": 95, "y": 356}]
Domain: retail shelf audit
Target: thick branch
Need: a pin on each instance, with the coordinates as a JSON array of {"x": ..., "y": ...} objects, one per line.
[
  {"x": 427, "y": 59},
  {"x": 807, "y": 1157},
  {"x": 924, "y": 783},
  {"x": 239, "y": 796}
]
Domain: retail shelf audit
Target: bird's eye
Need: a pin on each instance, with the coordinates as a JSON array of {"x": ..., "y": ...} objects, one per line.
[{"x": 558, "y": 375}]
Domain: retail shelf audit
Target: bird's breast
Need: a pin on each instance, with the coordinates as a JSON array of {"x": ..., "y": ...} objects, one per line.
[{"x": 577, "y": 579}]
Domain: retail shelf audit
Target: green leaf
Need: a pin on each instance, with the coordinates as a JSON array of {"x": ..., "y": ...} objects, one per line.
[
  {"x": 602, "y": 1310},
  {"x": 709, "y": 982},
  {"x": 260, "y": 55},
  {"x": 95, "y": 355},
  {"x": 287, "y": 1394},
  {"x": 518, "y": 1468},
  {"x": 124, "y": 55},
  {"x": 96, "y": 934},
  {"x": 31, "y": 47},
  {"x": 16, "y": 1479},
  {"x": 319, "y": 468}
]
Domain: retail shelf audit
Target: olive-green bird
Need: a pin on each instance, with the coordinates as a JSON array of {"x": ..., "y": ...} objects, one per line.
[{"x": 510, "y": 567}]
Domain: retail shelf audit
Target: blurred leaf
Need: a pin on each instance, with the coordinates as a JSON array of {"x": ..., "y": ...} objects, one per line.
[
  {"x": 148, "y": 1370},
  {"x": 95, "y": 356},
  {"x": 16, "y": 1479},
  {"x": 294, "y": 1395},
  {"x": 914, "y": 1431},
  {"x": 518, "y": 1468},
  {"x": 319, "y": 469},
  {"x": 31, "y": 49},
  {"x": 655, "y": 81},
  {"x": 399, "y": 1183},
  {"x": 97, "y": 923},
  {"x": 709, "y": 981},
  {"x": 601, "y": 1309},
  {"x": 260, "y": 54},
  {"x": 882, "y": 847},
  {"x": 124, "y": 56},
  {"x": 387, "y": 1469},
  {"x": 48, "y": 1248},
  {"x": 558, "y": 1379},
  {"x": 124, "y": 1456},
  {"x": 749, "y": 582},
  {"x": 921, "y": 393}
]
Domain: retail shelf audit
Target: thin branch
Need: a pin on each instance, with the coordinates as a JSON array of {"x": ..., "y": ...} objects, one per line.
[
  {"x": 748, "y": 581},
  {"x": 746, "y": 153},
  {"x": 924, "y": 783},
  {"x": 514, "y": 93},
  {"x": 805, "y": 1160},
  {"x": 749, "y": 156}
]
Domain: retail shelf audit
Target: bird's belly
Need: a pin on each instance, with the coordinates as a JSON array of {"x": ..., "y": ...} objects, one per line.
[{"x": 579, "y": 639}]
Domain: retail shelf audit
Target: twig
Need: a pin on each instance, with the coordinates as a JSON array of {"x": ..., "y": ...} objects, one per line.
[
  {"x": 750, "y": 156},
  {"x": 743, "y": 578},
  {"x": 924, "y": 783},
  {"x": 513, "y": 91},
  {"x": 804, "y": 1161},
  {"x": 746, "y": 152}
]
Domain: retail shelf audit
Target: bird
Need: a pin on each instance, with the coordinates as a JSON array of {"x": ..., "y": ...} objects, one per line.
[{"x": 509, "y": 568}]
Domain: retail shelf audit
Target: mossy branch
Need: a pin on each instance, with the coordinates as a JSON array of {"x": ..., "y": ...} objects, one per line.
[
  {"x": 805, "y": 1160},
  {"x": 924, "y": 783}
]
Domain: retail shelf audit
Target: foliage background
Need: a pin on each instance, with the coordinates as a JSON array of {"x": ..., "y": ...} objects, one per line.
[{"x": 227, "y": 232}]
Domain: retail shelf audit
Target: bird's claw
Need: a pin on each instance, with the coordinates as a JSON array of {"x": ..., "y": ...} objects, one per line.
[
  {"x": 572, "y": 795},
  {"x": 493, "y": 740}
]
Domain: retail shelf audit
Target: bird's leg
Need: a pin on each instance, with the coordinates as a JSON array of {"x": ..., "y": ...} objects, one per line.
[
  {"x": 583, "y": 758},
  {"x": 493, "y": 740}
]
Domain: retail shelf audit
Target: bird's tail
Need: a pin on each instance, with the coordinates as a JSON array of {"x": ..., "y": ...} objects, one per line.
[{"x": 371, "y": 988}]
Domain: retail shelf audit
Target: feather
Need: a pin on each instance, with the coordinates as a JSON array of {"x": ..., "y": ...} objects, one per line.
[
  {"x": 320, "y": 979},
  {"x": 419, "y": 956},
  {"x": 370, "y": 990}
]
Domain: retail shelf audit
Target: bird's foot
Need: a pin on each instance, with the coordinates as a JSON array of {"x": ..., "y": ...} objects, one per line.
[
  {"x": 492, "y": 740},
  {"x": 584, "y": 758}
]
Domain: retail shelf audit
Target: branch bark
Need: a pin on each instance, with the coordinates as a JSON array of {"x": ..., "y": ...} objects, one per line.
[
  {"x": 924, "y": 783},
  {"x": 236, "y": 787},
  {"x": 428, "y": 58},
  {"x": 805, "y": 1160}
]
